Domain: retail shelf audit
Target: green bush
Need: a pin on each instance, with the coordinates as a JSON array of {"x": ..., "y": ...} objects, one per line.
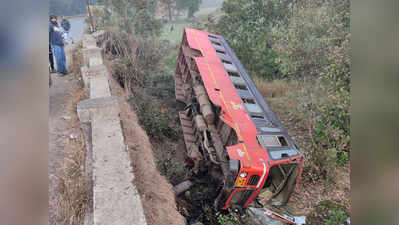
[
  {"x": 227, "y": 219},
  {"x": 246, "y": 25},
  {"x": 337, "y": 217},
  {"x": 152, "y": 116},
  {"x": 327, "y": 213},
  {"x": 325, "y": 120}
]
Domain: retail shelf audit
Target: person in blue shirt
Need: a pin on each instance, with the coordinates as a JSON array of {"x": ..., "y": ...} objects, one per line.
[
  {"x": 57, "y": 45},
  {"x": 66, "y": 26}
]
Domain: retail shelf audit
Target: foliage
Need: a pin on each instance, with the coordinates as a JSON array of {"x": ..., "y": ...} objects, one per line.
[
  {"x": 337, "y": 217},
  {"x": 170, "y": 5},
  {"x": 102, "y": 18},
  {"x": 136, "y": 17},
  {"x": 327, "y": 213},
  {"x": 306, "y": 43},
  {"x": 227, "y": 219},
  {"x": 191, "y": 6},
  {"x": 171, "y": 168},
  {"x": 246, "y": 26},
  {"x": 317, "y": 46},
  {"x": 151, "y": 115},
  {"x": 147, "y": 26},
  {"x": 67, "y": 7},
  {"x": 306, "y": 104},
  {"x": 208, "y": 25},
  {"x": 152, "y": 6},
  {"x": 154, "y": 99},
  {"x": 134, "y": 60},
  {"x": 132, "y": 38}
]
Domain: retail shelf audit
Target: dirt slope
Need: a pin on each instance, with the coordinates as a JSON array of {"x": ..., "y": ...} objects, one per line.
[{"x": 156, "y": 193}]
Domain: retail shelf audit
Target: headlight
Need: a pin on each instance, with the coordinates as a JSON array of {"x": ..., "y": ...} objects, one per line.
[{"x": 243, "y": 174}]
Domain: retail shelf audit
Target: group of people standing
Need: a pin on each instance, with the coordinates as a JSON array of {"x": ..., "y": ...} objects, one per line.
[{"x": 58, "y": 37}]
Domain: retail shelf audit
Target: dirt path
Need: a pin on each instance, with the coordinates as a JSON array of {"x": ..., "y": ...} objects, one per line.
[{"x": 64, "y": 135}]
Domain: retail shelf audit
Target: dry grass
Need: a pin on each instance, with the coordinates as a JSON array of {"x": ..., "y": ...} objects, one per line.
[
  {"x": 272, "y": 89},
  {"x": 77, "y": 58},
  {"x": 72, "y": 198},
  {"x": 72, "y": 192}
]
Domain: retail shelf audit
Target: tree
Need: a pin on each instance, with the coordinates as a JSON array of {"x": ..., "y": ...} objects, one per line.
[
  {"x": 67, "y": 7},
  {"x": 169, "y": 4},
  {"x": 152, "y": 6},
  {"x": 93, "y": 27},
  {"x": 191, "y": 5},
  {"x": 246, "y": 24}
]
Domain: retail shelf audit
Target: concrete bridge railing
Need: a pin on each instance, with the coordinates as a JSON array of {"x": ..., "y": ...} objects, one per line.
[{"x": 115, "y": 200}]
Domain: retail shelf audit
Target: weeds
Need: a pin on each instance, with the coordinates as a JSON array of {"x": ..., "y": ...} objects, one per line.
[
  {"x": 72, "y": 188},
  {"x": 154, "y": 121},
  {"x": 72, "y": 191},
  {"x": 72, "y": 198},
  {"x": 327, "y": 213},
  {"x": 227, "y": 219},
  {"x": 156, "y": 107},
  {"x": 272, "y": 89},
  {"x": 77, "y": 58}
]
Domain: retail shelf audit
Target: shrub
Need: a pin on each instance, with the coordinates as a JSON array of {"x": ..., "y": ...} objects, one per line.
[
  {"x": 227, "y": 219},
  {"x": 152, "y": 116},
  {"x": 246, "y": 26},
  {"x": 327, "y": 213},
  {"x": 305, "y": 44}
]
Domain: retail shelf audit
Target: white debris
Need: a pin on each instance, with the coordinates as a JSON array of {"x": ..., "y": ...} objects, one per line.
[
  {"x": 66, "y": 117},
  {"x": 197, "y": 223},
  {"x": 263, "y": 216},
  {"x": 73, "y": 136},
  {"x": 300, "y": 220}
]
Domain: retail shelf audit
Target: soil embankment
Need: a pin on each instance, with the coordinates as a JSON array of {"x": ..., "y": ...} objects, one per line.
[{"x": 156, "y": 193}]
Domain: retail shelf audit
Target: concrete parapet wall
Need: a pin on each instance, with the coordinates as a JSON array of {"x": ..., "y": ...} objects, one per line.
[
  {"x": 99, "y": 87},
  {"x": 95, "y": 61},
  {"x": 86, "y": 107},
  {"x": 91, "y": 52},
  {"x": 115, "y": 197},
  {"x": 89, "y": 41}
]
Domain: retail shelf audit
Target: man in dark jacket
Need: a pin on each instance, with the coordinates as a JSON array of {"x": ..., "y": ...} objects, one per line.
[
  {"x": 57, "y": 45},
  {"x": 51, "y": 59}
]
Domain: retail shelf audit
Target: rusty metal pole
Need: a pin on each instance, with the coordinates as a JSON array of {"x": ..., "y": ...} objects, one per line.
[{"x": 93, "y": 28}]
